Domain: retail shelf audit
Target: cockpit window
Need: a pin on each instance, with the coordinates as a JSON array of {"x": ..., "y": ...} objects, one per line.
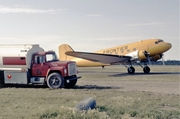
[{"x": 158, "y": 41}]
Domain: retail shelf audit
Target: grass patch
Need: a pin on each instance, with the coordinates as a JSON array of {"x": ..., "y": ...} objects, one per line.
[{"x": 112, "y": 103}]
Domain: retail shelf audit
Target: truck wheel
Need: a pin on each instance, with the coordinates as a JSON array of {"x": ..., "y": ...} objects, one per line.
[
  {"x": 1, "y": 79},
  {"x": 1, "y": 83},
  {"x": 55, "y": 81},
  {"x": 71, "y": 84}
]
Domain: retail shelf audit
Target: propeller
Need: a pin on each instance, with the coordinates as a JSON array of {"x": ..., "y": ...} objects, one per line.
[
  {"x": 149, "y": 61},
  {"x": 162, "y": 57},
  {"x": 147, "y": 56}
]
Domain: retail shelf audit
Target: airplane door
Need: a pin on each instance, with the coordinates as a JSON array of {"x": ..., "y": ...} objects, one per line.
[{"x": 39, "y": 67}]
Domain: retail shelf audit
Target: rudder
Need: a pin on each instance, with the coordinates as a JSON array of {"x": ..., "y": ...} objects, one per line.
[{"x": 62, "y": 50}]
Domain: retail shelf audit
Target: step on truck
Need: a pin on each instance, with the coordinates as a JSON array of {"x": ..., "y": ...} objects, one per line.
[{"x": 29, "y": 64}]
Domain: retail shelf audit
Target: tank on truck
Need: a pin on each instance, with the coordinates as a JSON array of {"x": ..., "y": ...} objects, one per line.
[{"x": 17, "y": 55}]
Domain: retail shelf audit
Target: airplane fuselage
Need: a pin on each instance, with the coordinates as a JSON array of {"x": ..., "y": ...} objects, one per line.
[{"x": 154, "y": 47}]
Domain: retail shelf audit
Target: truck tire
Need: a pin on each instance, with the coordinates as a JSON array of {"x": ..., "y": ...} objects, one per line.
[
  {"x": 1, "y": 79},
  {"x": 1, "y": 83},
  {"x": 86, "y": 104},
  {"x": 55, "y": 81},
  {"x": 71, "y": 84}
]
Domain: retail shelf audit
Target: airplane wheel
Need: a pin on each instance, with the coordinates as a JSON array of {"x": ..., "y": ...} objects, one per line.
[
  {"x": 146, "y": 69},
  {"x": 131, "y": 70}
]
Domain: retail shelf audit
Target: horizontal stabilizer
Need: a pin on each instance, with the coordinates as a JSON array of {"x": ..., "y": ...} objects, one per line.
[{"x": 97, "y": 57}]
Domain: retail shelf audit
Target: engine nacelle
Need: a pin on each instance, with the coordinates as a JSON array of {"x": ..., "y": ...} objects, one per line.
[
  {"x": 156, "y": 57},
  {"x": 141, "y": 55},
  {"x": 137, "y": 55}
]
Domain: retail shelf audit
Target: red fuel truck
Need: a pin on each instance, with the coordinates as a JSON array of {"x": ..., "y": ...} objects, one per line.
[{"x": 30, "y": 64}]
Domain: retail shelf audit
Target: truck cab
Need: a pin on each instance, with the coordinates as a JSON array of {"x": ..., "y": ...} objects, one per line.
[
  {"x": 42, "y": 62},
  {"x": 56, "y": 73}
]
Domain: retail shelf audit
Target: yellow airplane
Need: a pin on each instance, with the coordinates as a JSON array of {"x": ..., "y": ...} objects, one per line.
[{"x": 141, "y": 52}]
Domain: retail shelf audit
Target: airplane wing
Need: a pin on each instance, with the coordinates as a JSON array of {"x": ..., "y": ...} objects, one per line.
[{"x": 97, "y": 57}]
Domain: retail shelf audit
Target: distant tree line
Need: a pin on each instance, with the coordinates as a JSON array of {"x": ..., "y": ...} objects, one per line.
[{"x": 168, "y": 62}]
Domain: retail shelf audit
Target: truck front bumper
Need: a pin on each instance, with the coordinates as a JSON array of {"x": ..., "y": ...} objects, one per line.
[{"x": 71, "y": 78}]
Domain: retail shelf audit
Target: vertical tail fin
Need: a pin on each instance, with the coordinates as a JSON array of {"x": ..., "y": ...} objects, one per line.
[{"x": 62, "y": 50}]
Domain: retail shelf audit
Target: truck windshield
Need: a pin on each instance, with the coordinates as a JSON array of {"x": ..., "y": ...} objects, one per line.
[{"x": 51, "y": 57}]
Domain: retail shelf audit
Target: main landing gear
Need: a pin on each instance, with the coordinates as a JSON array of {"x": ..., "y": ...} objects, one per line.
[
  {"x": 146, "y": 69},
  {"x": 131, "y": 69}
]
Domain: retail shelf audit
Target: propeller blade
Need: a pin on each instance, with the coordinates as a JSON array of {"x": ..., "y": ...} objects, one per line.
[
  {"x": 147, "y": 56},
  {"x": 149, "y": 61},
  {"x": 163, "y": 59}
]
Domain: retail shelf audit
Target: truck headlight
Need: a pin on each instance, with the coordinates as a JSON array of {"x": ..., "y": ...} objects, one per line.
[{"x": 65, "y": 71}]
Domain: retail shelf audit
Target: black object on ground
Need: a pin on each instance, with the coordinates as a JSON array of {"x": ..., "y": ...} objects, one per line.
[{"x": 86, "y": 104}]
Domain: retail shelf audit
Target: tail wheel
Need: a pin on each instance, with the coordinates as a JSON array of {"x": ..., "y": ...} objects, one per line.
[
  {"x": 55, "y": 81},
  {"x": 146, "y": 69},
  {"x": 131, "y": 70}
]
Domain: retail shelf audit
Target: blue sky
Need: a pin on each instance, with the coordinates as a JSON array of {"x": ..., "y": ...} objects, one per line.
[{"x": 89, "y": 25}]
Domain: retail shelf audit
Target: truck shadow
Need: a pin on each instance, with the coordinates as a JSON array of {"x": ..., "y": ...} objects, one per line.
[
  {"x": 23, "y": 86},
  {"x": 89, "y": 87},
  {"x": 143, "y": 74}
]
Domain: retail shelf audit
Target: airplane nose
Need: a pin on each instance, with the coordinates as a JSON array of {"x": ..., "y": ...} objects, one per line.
[
  {"x": 159, "y": 48},
  {"x": 168, "y": 45}
]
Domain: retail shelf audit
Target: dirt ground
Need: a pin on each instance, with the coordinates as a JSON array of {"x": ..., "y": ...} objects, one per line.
[{"x": 161, "y": 79}]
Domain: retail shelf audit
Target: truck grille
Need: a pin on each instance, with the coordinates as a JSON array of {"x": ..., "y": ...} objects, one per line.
[{"x": 72, "y": 69}]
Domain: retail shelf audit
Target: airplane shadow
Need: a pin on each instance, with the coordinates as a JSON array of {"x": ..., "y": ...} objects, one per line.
[
  {"x": 143, "y": 74},
  {"x": 89, "y": 87}
]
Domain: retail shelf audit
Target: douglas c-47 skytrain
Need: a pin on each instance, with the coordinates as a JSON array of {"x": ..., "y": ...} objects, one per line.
[{"x": 141, "y": 52}]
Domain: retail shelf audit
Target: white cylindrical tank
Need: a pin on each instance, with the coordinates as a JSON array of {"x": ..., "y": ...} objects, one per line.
[{"x": 18, "y": 56}]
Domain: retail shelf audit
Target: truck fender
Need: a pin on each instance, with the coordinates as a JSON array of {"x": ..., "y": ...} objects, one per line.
[{"x": 55, "y": 69}]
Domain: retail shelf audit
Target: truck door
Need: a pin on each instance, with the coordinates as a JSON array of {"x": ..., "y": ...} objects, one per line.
[{"x": 39, "y": 67}]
